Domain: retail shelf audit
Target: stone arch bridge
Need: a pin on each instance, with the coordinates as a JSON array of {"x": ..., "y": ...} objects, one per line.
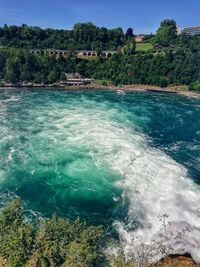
[{"x": 80, "y": 53}]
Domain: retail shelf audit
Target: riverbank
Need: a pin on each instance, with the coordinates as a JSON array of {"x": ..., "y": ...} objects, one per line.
[{"x": 181, "y": 90}]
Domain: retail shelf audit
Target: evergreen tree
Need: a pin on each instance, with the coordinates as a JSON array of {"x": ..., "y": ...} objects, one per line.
[{"x": 129, "y": 33}]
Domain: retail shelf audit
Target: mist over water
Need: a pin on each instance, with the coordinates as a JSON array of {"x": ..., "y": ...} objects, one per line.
[{"x": 111, "y": 159}]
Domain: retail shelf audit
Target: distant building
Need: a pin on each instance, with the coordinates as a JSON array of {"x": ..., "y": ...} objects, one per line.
[
  {"x": 192, "y": 31},
  {"x": 76, "y": 79},
  {"x": 139, "y": 38},
  {"x": 72, "y": 76}
]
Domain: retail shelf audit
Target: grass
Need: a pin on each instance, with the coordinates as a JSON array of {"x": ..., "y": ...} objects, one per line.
[{"x": 143, "y": 47}]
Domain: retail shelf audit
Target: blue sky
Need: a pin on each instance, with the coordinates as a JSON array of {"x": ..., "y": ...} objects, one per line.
[{"x": 143, "y": 16}]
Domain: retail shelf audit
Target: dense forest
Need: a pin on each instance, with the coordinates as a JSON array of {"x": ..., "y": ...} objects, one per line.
[{"x": 173, "y": 60}]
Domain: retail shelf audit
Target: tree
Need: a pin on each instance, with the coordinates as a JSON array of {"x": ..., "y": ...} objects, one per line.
[
  {"x": 129, "y": 48},
  {"x": 166, "y": 33},
  {"x": 129, "y": 33},
  {"x": 195, "y": 86},
  {"x": 16, "y": 238},
  {"x": 99, "y": 51},
  {"x": 59, "y": 242},
  {"x": 51, "y": 242},
  {"x": 12, "y": 72},
  {"x": 2, "y": 61},
  {"x": 163, "y": 82},
  {"x": 25, "y": 75},
  {"x": 62, "y": 76},
  {"x": 53, "y": 76}
]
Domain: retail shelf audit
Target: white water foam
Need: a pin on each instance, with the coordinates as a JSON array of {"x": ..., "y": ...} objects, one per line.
[
  {"x": 152, "y": 181},
  {"x": 156, "y": 185}
]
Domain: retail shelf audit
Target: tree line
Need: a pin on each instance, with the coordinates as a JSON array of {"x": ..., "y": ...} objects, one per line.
[{"x": 85, "y": 36}]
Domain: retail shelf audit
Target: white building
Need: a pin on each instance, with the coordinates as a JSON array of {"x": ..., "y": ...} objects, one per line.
[{"x": 192, "y": 31}]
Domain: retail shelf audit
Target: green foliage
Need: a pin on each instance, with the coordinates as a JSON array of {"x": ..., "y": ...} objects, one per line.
[
  {"x": 145, "y": 47},
  {"x": 178, "y": 65},
  {"x": 83, "y": 251},
  {"x": 53, "y": 76},
  {"x": 83, "y": 36},
  {"x": 16, "y": 237},
  {"x": 175, "y": 60},
  {"x": 195, "y": 86},
  {"x": 129, "y": 47},
  {"x": 163, "y": 82},
  {"x": 103, "y": 82},
  {"x": 129, "y": 34},
  {"x": 58, "y": 242},
  {"x": 53, "y": 242},
  {"x": 166, "y": 34},
  {"x": 12, "y": 69}
]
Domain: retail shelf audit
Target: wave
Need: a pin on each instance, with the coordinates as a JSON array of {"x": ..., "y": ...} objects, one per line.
[
  {"x": 155, "y": 185},
  {"x": 152, "y": 181}
]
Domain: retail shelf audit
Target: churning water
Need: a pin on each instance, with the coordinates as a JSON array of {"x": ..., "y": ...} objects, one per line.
[{"x": 119, "y": 160}]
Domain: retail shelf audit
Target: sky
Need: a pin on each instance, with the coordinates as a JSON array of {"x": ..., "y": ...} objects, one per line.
[{"x": 143, "y": 16}]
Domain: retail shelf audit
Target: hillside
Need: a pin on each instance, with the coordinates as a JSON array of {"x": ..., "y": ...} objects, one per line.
[{"x": 165, "y": 59}]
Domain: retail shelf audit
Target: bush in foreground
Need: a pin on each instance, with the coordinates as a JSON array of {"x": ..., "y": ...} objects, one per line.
[{"x": 53, "y": 242}]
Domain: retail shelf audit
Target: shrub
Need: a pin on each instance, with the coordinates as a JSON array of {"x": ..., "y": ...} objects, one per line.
[
  {"x": 16, "y": 236},
  {"x": 195, "y": 86},
  {"x": 53, "y": 242}
]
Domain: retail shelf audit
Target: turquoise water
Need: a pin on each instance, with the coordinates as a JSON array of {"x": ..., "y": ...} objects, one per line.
[{"x": 120, "y": 160}]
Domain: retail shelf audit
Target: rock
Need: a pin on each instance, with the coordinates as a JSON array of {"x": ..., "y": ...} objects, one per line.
[
  {"x": 3, "y": 262},
  {"x": 176, "y": 261}
]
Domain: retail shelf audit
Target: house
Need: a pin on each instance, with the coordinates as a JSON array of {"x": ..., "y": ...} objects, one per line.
[
  {"x": 76, "y": 79},
  {"x": 72, "y": 76},
  {"x": 139, "y": 38}
]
